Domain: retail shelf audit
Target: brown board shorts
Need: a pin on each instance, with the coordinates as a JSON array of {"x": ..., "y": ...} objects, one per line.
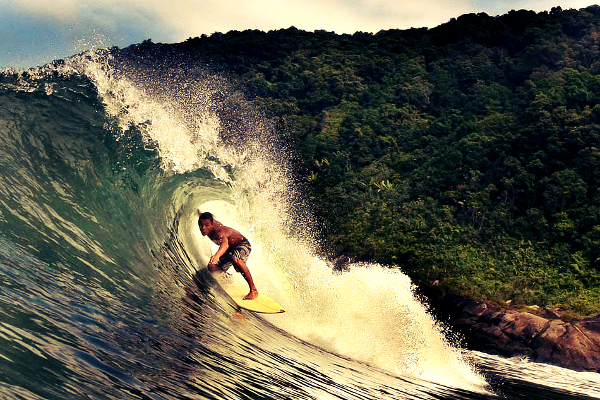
[{"x": 241, "y": 251}]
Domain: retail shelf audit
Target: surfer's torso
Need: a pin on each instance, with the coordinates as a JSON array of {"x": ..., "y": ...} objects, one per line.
[{"x": 221, "y": 231}]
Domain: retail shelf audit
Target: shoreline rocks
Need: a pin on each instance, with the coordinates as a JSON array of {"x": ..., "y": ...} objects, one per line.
[{"x": 573, "y": 344}]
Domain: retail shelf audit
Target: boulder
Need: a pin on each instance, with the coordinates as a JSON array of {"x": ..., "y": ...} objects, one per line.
[{"x": 573, "y": 344}]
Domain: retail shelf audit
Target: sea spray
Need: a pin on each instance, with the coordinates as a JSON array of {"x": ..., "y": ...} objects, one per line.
[{"x": 183, "y": 131}]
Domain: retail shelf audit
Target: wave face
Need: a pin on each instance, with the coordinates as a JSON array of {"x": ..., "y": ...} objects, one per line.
[{"x": 104, "y": 293}]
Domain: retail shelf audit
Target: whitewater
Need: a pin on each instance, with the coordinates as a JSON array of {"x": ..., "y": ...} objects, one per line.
[{"x": 104, "y": 292}]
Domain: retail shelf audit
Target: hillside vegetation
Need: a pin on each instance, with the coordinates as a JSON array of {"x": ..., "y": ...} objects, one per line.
[{"x": 467, "y": 155}]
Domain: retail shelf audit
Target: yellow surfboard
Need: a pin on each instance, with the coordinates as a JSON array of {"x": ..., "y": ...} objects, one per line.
[{"x": 262, "y": 304}]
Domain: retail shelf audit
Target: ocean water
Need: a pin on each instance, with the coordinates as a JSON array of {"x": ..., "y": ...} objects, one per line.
[{"x": 104, "y": 292}]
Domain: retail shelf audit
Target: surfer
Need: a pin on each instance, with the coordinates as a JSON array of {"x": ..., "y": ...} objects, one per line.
[{"x": 234, "y": 249}]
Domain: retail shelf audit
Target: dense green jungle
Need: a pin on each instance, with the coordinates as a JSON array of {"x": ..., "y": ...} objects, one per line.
[{"x": 467, "y": 155}]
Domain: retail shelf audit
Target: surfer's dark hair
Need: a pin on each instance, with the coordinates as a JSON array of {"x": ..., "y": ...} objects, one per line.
[{"x": 206, "y": 215}]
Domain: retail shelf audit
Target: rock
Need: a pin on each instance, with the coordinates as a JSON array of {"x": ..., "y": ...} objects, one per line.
[
  {"x": 523, "y": 326},
  {"x": 554, "y": 313},
  {"x": 475, "y": 309},
  {"x": 569, "y": 344}
]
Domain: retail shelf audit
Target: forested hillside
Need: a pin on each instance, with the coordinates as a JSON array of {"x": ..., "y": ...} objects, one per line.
[{"x": 468, "y": 155}]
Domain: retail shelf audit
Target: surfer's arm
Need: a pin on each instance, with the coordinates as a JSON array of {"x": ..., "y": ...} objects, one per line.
[{"x": 214, "y": 260}]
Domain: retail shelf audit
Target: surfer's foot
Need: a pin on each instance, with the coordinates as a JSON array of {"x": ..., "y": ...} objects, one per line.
[{"x": 252, "y": 295}]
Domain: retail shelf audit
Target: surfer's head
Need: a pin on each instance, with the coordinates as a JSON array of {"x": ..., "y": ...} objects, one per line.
[
  {"x": 206, "y": 223},
  {"x": 206, "y": 215}
]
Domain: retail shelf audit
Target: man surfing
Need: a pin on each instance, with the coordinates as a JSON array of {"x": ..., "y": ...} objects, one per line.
[{"x": 234, "y": 249}]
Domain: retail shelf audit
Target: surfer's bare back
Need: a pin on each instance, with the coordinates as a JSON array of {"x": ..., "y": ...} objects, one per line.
[{"x": 234, "y": 249}]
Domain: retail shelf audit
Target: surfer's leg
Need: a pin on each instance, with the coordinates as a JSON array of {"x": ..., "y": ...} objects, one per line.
[{"x": 241, "y": 267}]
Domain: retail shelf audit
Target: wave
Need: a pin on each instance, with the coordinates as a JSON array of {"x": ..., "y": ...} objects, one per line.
[{"x": 105, "y": 161}]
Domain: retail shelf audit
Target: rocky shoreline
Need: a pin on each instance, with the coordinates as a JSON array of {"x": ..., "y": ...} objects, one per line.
[{"x": 573, "y": 344}]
